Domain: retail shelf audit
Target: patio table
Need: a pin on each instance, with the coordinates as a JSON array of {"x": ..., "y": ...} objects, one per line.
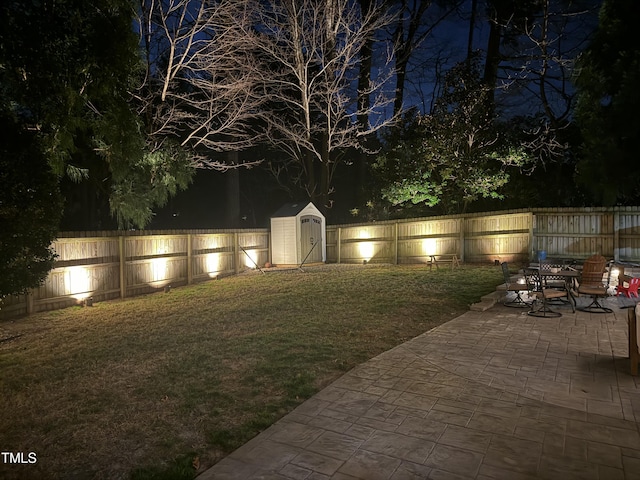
[{"x": 561, "y": 278}]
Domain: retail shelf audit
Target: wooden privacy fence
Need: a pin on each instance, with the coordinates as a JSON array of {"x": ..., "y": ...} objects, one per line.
[
  {"x": 105, "y": 265},
  {"x": 514, "y": 236},
  {"x": 571, "y": 233},
  {"x": 476, "y": 238}
]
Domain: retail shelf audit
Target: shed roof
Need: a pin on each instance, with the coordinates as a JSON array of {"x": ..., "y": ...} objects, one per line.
[{"x": 291, "y": 209}]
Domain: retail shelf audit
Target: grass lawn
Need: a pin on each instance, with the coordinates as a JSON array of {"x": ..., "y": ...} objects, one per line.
[{"x": 152, "y": 385}]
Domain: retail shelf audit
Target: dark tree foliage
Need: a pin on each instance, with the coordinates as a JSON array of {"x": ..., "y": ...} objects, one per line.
[
  {"x": 455, "y": 156},
  {"x": 70, "y": 70},
  {"x": 608, "y": 106},
  {"x": 66, "y": 63},
  {"x": 30, "y": 208}
]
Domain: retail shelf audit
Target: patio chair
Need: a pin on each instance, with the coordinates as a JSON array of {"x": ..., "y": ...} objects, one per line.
[
  {"x": 630, "y": 289},
  {"x": 634, "y": 341},
  {"x": 543, "y": 294},
  {"x": 592, "y": 284},
  {"x": 517, "y": 288}
]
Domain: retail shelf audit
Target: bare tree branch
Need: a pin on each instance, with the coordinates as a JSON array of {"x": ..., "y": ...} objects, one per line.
[{"x": 198, "y": 89}]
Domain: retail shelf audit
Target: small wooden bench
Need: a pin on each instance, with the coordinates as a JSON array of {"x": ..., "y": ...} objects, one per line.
[{"x": 444, "y": 259}]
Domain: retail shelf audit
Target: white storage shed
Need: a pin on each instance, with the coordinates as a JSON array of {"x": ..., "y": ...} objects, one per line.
[{"x": 298, "y": 234}]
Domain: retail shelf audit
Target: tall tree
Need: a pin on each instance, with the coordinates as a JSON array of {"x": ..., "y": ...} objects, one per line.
[
  {"x": 454, "y": 156},
  {"x": 529, "y": 58},
  {"x": 72, "y": 83},
  {"x": 608, "y": 104},
  {"x": 199, "y": 90},
  {"x": 30, "y": 208},
  {"x": 309, "y": 53},
  {"x": 229, "y": 75}
]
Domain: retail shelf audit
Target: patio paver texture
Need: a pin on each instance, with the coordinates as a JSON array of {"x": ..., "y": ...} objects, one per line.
[{"x": 489, "y": 395}]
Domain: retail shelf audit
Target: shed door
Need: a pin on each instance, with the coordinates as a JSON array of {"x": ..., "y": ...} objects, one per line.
[{"x": 310, "y": 239}]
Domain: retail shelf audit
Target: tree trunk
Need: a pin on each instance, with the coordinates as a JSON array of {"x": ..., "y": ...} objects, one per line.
[
  {"x": 310, "y": 174},
  {"x": 232, "y": 192},
  {"x": 401, "y": 73},
  {"x": 364, "y": 103},
  {"x": 364, "y": 79},
  {"x": 325, "y": 177},
  {"x": 490, "y": 77},
  {"x": 472, "y": 26}
]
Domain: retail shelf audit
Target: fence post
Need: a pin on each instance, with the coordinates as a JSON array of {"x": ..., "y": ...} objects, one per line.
[
  {"x": 532, "y": 239},
  {"x": 236, "y": 253},
  {"x": 616, "y": 234},
  {"x": 189, "y": 260},
  {"x": 461, "y": 239},
  {"x": 339, "y": 243},
  {"x": 396, "y": 243},
  {"x": 123, "y": 286},
  {"x": 29, "y": 301}
]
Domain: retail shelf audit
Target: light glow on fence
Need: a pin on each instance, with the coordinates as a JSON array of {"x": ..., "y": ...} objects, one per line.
[
  {"x": 158, "y": 269},
  {"x": 251, "y": 259},
  {"x": 212, "y": 264},
  {"x": 79, "y": 282},
  {"x": 429, "y": 246},
  {"x": 366, "y": 249}
]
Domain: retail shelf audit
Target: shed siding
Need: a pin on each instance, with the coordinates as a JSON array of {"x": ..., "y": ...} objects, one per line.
[{"x": 283, "y": 234}]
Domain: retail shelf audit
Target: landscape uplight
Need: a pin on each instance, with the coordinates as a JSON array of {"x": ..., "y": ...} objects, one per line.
[
  {"x": 212, "y": 262},
  {"x": 78, "y": 282},
  {"x": 365, "y": 249}
]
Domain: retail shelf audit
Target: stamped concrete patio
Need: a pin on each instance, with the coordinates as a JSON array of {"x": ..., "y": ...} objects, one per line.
[{"x": 492, "y": 394}]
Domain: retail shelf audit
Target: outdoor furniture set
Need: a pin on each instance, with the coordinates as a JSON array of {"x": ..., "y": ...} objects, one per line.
[{"x": 546, "y": 284}]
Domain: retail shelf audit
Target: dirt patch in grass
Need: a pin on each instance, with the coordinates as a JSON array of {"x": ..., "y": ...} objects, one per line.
[{"x": 159, "y": 383}]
